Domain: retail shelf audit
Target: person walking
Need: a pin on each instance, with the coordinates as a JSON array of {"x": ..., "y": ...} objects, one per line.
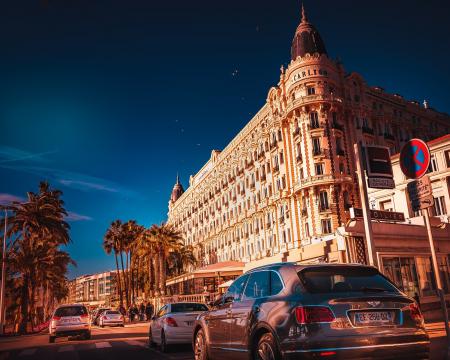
[
  {"x": 141, "y": 311},
  {"x": 149, "y": 311}
]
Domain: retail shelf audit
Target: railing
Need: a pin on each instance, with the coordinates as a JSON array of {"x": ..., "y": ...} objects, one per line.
[{"x": 159, "y": 302}]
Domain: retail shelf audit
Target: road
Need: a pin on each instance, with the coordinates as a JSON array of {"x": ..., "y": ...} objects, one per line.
[{"x": 129, "y": 343}]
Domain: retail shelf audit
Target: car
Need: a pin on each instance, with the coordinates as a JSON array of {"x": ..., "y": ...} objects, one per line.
[
  {"x": 70, "y": 320},
  {"x": 111, "y": 318},
  {"x": 174, "y": 323},
  {"x": 291, "y": 311},
  {"x": 96, "y": 315}
]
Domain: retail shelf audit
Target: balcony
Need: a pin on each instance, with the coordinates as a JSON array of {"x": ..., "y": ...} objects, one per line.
[
  {"x": 324, "y": 208},
  {"x": 367, "y": 130},
  {"x": 318, "y": 152},
  {"x": 316, "y": 98},
  {"x": 314, "y": 125}
]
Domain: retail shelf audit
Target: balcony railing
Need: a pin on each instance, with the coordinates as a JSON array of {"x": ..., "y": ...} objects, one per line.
[{"x": 314, "y": 125}]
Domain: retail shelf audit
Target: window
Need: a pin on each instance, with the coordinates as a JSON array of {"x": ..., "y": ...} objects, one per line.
[
  {"x": 425, "y": 274},
  {"x": 316, "y": 146},
  {"x": 323, "y": 200},
  {"x": 275, "y": 283},
  {"x": 447, "y": 158},
  {"x": 71, "y": 311},
  {"x": 319, "y": 168},
  {"x": 314, "y": 120},
  {"x": 258, "y": 285},
  {"x": 326, "y": 226},
  {"x": 187, "y": 307},
  {"x": 439, "y": 206},
  {"x": 433, "y": 164},
  {"x": 236, "y": 288},
  {"x": 311, "y": 90},
  {"x": 402, "y": 272},
  {"x": 342, "y": 279}
]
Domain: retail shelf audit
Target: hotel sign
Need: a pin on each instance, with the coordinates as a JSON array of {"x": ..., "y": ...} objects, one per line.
[
  {"x": 307, "y": 73},
  {"x": 357, "y": 213}
]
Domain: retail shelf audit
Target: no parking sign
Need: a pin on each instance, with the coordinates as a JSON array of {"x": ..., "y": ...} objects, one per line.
[{"x": 415, "y": 158}]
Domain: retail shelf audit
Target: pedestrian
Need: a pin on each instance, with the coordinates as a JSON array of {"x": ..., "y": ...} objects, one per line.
[
  {"x": 122, "y": 310},
  {"x": 149, "y": 311},
  {"x": 417, "y": 298},
  {"x": 141, "y": 311},
  {"x": 131, "y": 314}
]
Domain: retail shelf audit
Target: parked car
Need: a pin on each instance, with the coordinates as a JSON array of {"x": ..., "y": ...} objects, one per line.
[
  {"x": 111, "y": 318},
  {"x": 173, "y": 324},
  {"x": 291, "y": 311},
  {"x": 97, "y": 314},
  {"x": 70, "y": 320}
]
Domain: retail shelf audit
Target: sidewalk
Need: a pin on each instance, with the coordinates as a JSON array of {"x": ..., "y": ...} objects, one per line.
[{"x": 438, "y": 339}]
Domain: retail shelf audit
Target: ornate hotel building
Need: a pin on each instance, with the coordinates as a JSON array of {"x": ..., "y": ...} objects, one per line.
[{"x": 282, "y": 187}]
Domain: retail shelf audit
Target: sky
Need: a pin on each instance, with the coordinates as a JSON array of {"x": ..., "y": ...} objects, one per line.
[{"x": 109, "y": 99}]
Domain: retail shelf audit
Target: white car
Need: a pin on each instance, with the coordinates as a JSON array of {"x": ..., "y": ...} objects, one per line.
[
  {"x": 173, "y": 324},
  {"x": 111, "y": 318},
  {"x": 70, "y": 320}
]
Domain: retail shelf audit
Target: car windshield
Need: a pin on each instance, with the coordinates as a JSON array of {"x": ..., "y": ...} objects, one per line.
[
  {"x": 341, "y": 279},
  {"x": 71, "y": 311},
  {"x": 188, "y": 307},
  {"x": 112, "y": 312}
]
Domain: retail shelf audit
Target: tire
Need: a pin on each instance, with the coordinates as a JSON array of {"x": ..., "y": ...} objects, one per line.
[
  {"x": 151, "y": 343},
  {"x": 51, "y": 339},
  {"x": 200, "y": 349},
  {"x": 266, "y": 348}
]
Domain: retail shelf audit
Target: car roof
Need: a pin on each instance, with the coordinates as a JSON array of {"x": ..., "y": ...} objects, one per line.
[{"x": 299, "y": 267}]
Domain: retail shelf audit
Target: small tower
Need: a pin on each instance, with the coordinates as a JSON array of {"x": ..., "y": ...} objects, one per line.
[{"x": 177, "y": 191}]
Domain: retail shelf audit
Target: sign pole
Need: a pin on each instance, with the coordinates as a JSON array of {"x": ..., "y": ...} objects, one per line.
[
  {"x": 2, "y": 291},
  {"x": 365, "y": 205},
  {"x": 437, "y": 274}
]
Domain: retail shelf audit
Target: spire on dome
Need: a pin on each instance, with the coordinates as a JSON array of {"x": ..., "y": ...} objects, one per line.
[
  {"x": 307, "y": 39},
  {"x": 177, "y": 190}
]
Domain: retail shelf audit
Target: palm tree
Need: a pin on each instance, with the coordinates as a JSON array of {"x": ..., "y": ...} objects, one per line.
[
  {"x": 111, "y": 243},
  {"x": 147, "y": 249},
  {"x": 167, "y": 239},
  {"x": 37, "y": 228}
]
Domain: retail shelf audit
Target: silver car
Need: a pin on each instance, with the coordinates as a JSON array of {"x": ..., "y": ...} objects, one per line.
[
  {"x": 70, "y": 320},
  {"x": 111, "y": 318},
  {"x": 173, "y": 324}
]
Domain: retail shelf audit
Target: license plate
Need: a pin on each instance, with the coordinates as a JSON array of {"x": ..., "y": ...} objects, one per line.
[{"x": 374, "y": 318}]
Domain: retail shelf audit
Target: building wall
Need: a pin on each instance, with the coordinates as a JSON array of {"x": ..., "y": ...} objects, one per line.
[
  {"x": 286, "y": 181},
  {"x": 95, "y": 288}
]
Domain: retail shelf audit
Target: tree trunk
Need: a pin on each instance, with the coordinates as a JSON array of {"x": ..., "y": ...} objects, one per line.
[
  {"x": 151, "y": 279},
  {"x": 157, "y": 276},
  {"x": 119, "y": 285},
  {"x": 124, "y": 280},
  {"x": 162, "y": 272},
  {"x": 24, "y": 303},
  {"x": 131, "y": 281}
]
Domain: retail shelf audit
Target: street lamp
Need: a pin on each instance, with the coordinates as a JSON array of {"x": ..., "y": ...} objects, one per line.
[{"x": 2, "y": 292}]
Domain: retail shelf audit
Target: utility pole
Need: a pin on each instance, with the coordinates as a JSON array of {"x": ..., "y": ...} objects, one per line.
[
  {"x": 3, "y": 286},
  {"x": 367, "y": 218}
]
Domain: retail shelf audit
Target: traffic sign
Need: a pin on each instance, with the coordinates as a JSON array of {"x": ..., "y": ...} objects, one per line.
[
  {"x": 422, "y": 203},
  {"x": 415, "y": 158},
  {"x": 420, "y": 188}
]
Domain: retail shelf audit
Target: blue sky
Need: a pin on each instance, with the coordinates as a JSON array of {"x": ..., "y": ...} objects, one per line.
[{"x": 108, "y": 100}]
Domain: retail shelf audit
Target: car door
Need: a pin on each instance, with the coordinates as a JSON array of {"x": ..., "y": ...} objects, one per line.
[
  {"x": 244, "y": 312},
  {"x": 157, "y": 323},
  {"x": 218, "y": 320}
]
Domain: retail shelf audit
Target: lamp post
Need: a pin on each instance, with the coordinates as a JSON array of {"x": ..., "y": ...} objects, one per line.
[{"x": 2, "y": 293}]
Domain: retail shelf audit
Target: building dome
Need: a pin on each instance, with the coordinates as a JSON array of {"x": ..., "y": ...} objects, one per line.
[
  {"x": 306, "y": 40},
  {"x": 177, "y": 191}
]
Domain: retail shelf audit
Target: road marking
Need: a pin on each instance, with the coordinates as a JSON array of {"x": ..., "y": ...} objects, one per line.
[
  {"x": 28, "y": 352},
  {"x": 66, "y": 348},
  {"x": 135, "y": 343},
  {"x": 103, "y": 344}
]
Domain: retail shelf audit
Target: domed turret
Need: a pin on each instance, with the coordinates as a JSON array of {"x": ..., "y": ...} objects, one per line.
[
  {"x": 307, "y": 39},
  {"x": 177, "y": 191}
]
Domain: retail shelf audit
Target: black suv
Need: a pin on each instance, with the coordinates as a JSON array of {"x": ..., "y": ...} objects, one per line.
[{"x": 309, "y": 311}]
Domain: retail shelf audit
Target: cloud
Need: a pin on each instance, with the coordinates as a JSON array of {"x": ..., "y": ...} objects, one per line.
[
  {"x": 72, "y": 216},
  {"x": 20, "y": 160},
  {"x": 6, "y": 199}
]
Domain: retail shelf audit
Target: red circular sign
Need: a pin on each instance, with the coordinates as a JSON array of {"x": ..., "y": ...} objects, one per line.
[{"x": 415, "y": 158}]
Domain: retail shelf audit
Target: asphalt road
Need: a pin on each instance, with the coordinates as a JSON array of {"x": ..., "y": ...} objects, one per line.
[{"x": 129, "y": 343}]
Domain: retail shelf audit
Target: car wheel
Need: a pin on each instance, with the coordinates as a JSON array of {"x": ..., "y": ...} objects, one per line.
[
  {"x": 266, "y": 349},
  {"x": 151, "y": 343},
  {"x": 164, "y": 348},
  {"x": 200, "y": 351},
  {"x": 51, "y": 339}
]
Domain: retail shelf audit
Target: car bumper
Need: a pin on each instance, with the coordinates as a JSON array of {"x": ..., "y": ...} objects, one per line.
[
  {"x": 113, "y": 322},
  {"x": 178, "y": 335},
  {"x": 405, "y": 350},
  {"x": 70, "y": 330}
]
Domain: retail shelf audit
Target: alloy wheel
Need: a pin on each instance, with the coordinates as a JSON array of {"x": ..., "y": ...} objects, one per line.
[
  {"x": 199, "y": 346},
  {"x": 265, "y": 351}
]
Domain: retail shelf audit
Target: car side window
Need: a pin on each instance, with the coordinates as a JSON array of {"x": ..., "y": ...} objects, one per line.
[
  {"x": 276, "y": 285},
  {"x": 258, "y": 285},
  {"x": 236, "y": 288}
]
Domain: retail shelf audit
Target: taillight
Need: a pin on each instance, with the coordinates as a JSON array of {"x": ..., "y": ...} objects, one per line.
[
  {"x": 415, "y": 312},
  {"x": 313, "y": 314},
  {"x": 56, "y": 318},
  {"x": 84, "y": 316},
  {"x": 170, "y": 322}
]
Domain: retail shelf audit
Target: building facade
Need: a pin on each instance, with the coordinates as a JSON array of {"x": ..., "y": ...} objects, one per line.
[
  {"x": 96, "y": 289},
  {"x": 283, "y": 186}
]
